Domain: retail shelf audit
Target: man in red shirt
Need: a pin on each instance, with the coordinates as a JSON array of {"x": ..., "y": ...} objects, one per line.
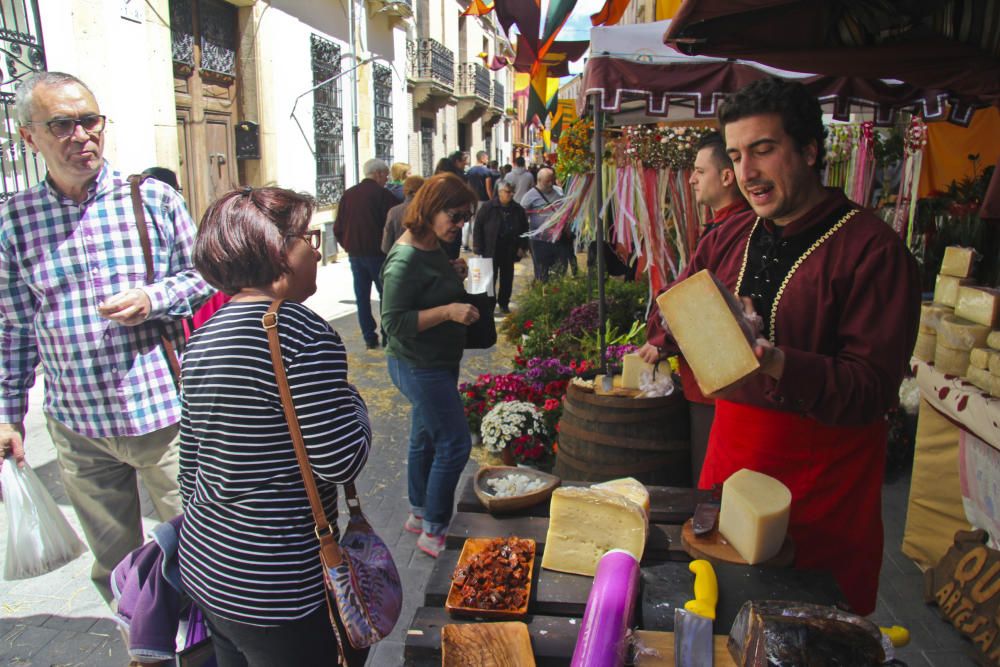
[
  {"x": 714, "y": 183},
  {"x": 838, "y": 296}
]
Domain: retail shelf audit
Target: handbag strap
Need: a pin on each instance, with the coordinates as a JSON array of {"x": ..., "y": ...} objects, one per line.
[
  {"x": 135, "y": 180},
  {"x": 329, "y": 549}
]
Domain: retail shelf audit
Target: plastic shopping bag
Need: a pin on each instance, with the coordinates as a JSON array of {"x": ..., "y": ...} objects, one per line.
[
  {"x": 480, "y": 275},
  {"x": 39, "y": 539}
]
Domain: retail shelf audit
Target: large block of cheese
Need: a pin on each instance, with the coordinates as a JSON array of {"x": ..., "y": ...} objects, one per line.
[
  {"x": 979, "y": 304},
  {"x": 958, "y": 261},
  {"x": 961, "y": 334},
  {"x": 629, "y": 487},
  {"x": 993, "y": 340},
  {"x": 586, "y": 523},
  {"x": 946, "y": 289},
  {"x": 706, "y": 321},
  {"x": 925, "y": 346},
  {"x": 754, "y": 514},
  {"x": 950, "y": 361},
  {"x": 633, "y": 367}
]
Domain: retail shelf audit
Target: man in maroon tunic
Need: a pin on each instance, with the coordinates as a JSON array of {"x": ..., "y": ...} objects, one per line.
[
  {"x": 714, "y": 183},
  {"x": 839, "y": 298}
]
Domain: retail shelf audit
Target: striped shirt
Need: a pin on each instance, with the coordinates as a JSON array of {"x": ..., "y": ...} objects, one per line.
[
  {"x": 248, "y": 551},
  {"x": 58, "y": 261}
]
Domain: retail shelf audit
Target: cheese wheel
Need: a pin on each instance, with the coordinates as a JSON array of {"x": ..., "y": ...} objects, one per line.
[
  {"x": 754, "y": 514},
  {"x": 981, "y": 378},
  {"x": 979, "y": 304},
  {"x": 979, "y": 357},
  {"x": 959, "y": 334},
  {"x": 946, "y": 289},
  {"x": 931, "y": 314},
  {"x": 993, "y": 340},
  {"x": 708, "y": 324},
  {"x": 629, "y": 487},
  {"x": 950, "y": 361},
  {"x": 958, "y": 261},
  {"x": 924, "y": 349},
  {"x": 994, "y": 362}
]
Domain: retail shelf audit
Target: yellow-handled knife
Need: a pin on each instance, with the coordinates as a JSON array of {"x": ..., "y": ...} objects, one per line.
[{"x": 693, "y": 642}]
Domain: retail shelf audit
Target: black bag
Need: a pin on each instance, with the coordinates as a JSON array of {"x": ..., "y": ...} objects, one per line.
[{"x": 481, "y": 334}]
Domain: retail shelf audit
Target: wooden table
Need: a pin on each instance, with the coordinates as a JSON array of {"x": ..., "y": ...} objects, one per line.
[{"x": 558, "y": 600}]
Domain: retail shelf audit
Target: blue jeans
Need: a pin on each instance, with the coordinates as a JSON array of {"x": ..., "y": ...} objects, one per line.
[
  {"x": 366, "y": 271},
  {"x": 439, "y": 440}
]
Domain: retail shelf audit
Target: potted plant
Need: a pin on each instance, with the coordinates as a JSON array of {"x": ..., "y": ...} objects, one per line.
[{"x": 517, "y": 431}]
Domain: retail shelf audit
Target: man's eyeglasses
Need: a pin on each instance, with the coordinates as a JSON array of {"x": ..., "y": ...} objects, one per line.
[
  {"x": 312, "y": 236},
  {"x": 458, "y": 217},
  {"x": 63, "y": 128}
]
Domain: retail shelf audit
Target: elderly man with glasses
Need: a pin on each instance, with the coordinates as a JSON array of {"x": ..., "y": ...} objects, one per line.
[{"x": 74, "y": 296}]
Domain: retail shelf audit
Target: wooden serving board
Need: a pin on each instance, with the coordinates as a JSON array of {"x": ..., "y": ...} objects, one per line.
[
  {"x": 504, "y": 644},
  {"x": 714, "y": 548},
  {"x": 663, "y": 645}
]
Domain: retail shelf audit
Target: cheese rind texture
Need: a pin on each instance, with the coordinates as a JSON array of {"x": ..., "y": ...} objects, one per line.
[
  {"x": 707, "y": 324},
  {"x": 925, "y": 346},
  {"x": 979, "y": 304},
  {"x": 950, "y": 361},
  {"x": 958, "y": 261},
  {"x": 586, "y": 523},
  {"x": 930, "y": 316},
  {"x": 946, "y": 289},
  {"x": 979, "y": 357},
  {"x": 981, "y": 378},
  {"x": 629, "y": 487},
  {"x": 961, "y": 334},
  {"x": 754, "y": 514}
]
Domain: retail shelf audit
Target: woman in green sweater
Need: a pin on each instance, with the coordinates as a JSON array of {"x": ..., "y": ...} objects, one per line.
[{"x": 425, "y": 317}]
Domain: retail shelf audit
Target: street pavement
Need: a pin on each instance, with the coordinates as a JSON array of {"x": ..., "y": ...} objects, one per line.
[{"x": 59, "y": 619}]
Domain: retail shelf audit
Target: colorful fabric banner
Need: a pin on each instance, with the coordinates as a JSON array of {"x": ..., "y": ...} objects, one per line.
[
  {"x": 611, "y": 13},
  {"x": 477, "y": 8},
  {"x": 525, "y": 14}
]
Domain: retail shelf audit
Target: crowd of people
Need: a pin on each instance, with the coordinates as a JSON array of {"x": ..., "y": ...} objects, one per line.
[{"x": 80, "y": 298}]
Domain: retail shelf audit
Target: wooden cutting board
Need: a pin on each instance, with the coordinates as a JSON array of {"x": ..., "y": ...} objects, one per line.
[
  {"x": 503, "y": 644},
  {"x": 714, "y": 548},
  {"x": 663, "y": 644}
]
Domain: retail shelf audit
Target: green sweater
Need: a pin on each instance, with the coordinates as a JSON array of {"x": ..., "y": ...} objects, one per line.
[{"x": 415, "y": 280}]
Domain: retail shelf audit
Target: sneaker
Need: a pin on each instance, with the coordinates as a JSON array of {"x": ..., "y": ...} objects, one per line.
[
  {"x": 432, "y": 545},
  {"x": 372, "y": 344},
  {"x": 414, "y": 524}
]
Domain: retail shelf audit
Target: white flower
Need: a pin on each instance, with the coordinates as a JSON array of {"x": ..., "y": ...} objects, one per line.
[{"x": 509, "y": 420}]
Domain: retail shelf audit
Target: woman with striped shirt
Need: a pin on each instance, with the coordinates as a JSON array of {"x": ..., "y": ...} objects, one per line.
[{"x": 248, "y": 553}]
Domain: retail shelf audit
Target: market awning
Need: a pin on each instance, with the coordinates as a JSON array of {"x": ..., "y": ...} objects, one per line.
[{"x": 951, "y": 46}]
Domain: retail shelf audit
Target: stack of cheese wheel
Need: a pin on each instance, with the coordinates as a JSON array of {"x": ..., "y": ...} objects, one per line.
[
  {"x": 930, "y": 319},
  {"x": 956, "y": 267},
  {"x": 955, "y": 341},
  {"x": 984, "y": 365}
]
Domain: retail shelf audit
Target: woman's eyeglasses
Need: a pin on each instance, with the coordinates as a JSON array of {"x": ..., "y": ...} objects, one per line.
[
  {"x": 64, "y": 128},
  {"x": 312, "y": 236},
  {"x": 458, "y": 217}
]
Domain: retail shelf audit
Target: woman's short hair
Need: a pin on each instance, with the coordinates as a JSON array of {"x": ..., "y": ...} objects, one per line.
[
  {"x": 243, "y": 238},
  {"x": 411, "y": 185},
  {"x": 398, "y": 171},
  {"x": 440, "y": 192}
]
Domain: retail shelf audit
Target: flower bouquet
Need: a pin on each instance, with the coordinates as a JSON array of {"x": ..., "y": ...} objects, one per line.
[{"x": 517, "y": 431}]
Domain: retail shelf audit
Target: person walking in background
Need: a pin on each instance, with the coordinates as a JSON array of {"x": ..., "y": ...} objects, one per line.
[
  {"x": 537, "y": 202},
  {"x": 522, "y": 179},
  {"x": 425, "y": 316},
  {"x": 480, "y": 179},
  {"x": 394, "y": 221},
  {"x": 163, "y": 175},
  {"x": 397, "y": 174},
  {"x": 453, "y": 164},
  {"x": 244, "y": 496},
  {"x": 359, "y": 226},
  {"x": 73, "y": 298},
  {"x": 500, "y": 227}
]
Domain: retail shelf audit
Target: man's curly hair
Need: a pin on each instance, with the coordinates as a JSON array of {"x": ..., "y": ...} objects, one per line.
[{"x": 801, "y": 115}]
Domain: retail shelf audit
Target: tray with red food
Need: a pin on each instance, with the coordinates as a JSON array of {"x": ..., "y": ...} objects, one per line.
[{"x": 492, "y": 578}]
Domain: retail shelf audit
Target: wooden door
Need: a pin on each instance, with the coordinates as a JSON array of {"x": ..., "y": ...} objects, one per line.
[{"x": 204, "y": 40}]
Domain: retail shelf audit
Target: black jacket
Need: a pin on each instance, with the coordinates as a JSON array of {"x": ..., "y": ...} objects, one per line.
[{"x": 489, "y": 220}]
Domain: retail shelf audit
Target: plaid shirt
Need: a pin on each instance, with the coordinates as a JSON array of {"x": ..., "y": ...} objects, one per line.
[{"x": 58, "y": 261}]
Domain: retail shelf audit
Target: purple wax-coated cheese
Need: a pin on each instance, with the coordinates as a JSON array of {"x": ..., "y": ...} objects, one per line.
[{"x": 609, "y": 612}]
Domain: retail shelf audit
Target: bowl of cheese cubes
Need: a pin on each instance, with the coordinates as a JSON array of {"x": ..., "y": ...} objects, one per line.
[{"x": 508, "y": 488}]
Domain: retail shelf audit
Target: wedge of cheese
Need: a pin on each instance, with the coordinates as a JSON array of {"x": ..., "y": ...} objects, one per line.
[
  {"x": 706, "y": 321},
  {"x": 629, "y": 487},
  {"x": 633, "y": 367},
  {"x": 961, "y": 334},
  {"x": 946, "y": 289},
  {"x": 979, "y": 304},
  {"x": 754, "y": 514},
  {"x": 993, "y": 340},
  {"x": 926, "y": 344},
  {"x": 958, "y": 261},
  {"x": 950, "y": 361},
  {"x": 979, "y": 357},
  {"x": 586, "y": 523}
]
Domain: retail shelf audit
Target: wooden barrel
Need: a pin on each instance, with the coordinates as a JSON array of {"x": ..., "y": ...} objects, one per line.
[{"x": 606, "y": 437}]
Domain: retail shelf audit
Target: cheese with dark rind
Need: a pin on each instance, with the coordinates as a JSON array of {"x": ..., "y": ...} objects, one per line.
[
  {"x": 958, "y": 261},
  {"x": 754, "y": 514},
  {"x": 708, "y": 325}
]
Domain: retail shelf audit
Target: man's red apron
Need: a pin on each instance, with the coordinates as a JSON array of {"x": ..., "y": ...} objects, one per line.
[{"x": 835, "y": 476}]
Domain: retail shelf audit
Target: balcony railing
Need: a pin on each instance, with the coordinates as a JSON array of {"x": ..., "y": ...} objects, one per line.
[
  {"x": 435, "y": 62},
  {"x": 474, "y": 81},
  {"x": 498, "y": 94}
]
